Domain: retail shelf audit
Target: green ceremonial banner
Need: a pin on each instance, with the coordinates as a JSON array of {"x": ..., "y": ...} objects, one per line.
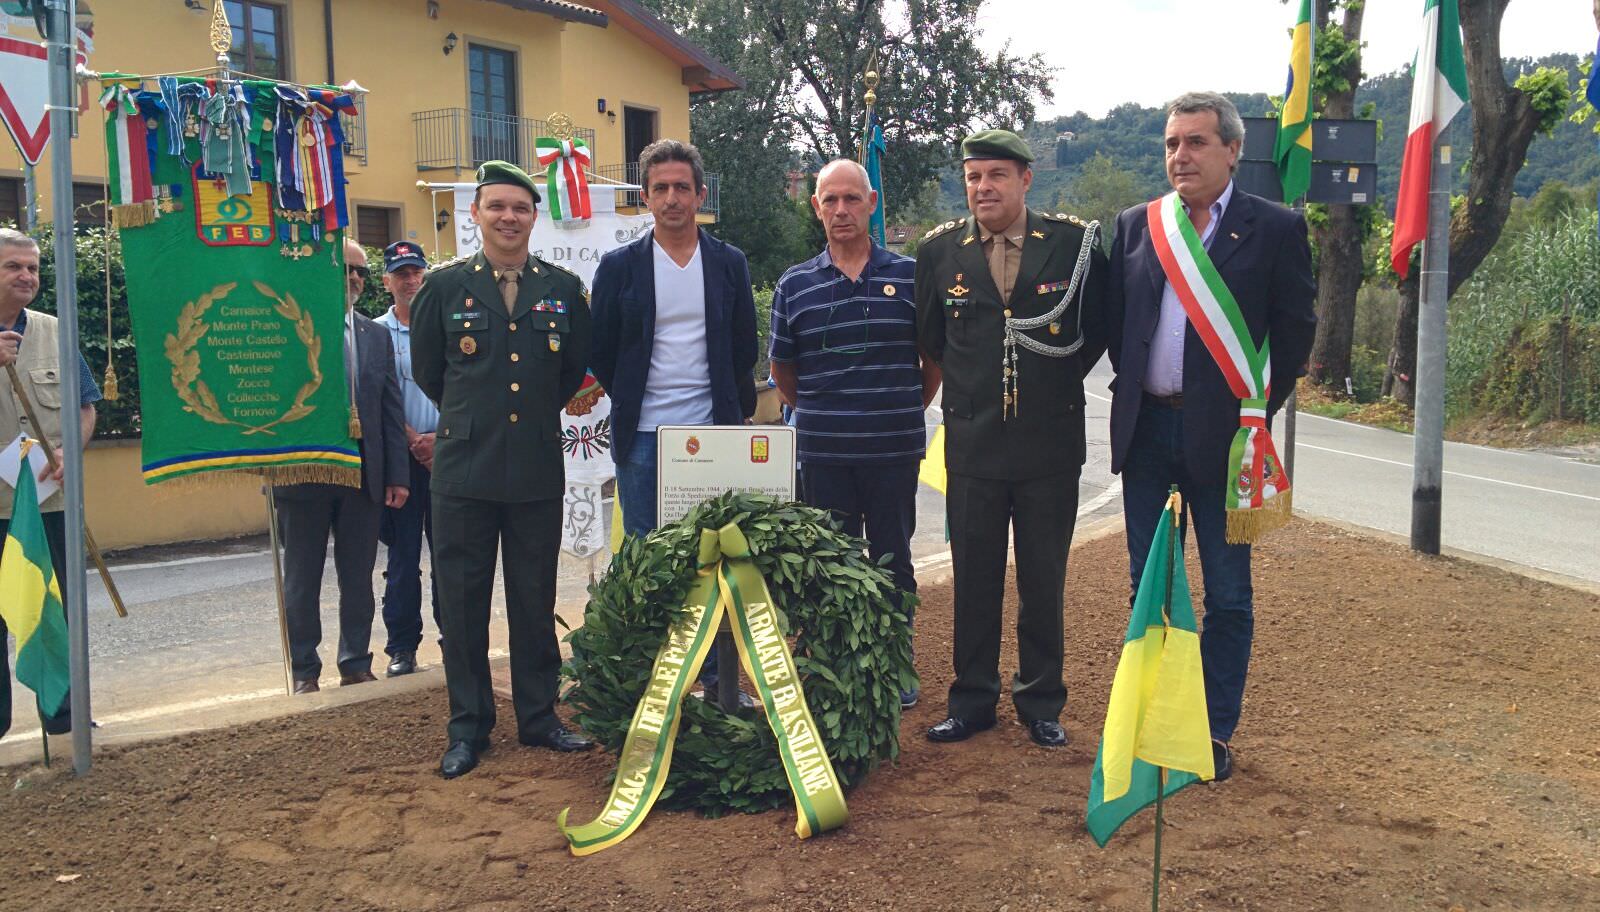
[{"x": 240, "y": 344}]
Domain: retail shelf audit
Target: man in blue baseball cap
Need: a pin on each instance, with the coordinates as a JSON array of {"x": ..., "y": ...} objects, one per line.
[{"x": 403, "y": 528}]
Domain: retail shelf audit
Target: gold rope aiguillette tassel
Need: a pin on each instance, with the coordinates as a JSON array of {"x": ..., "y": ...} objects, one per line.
[{"x": 355, "y": 424}]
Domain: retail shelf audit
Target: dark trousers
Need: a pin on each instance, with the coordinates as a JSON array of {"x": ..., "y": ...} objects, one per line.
[
  {"x": 528, "y": 537},
  {"x": 304, "y": 520},
  {"x": 59, "y": 722},
  {"x": 880, "y": 499},
  {"x": 1041, "y": 512},
  {"x": 1156, "y": 462},
  {"x": 403, "y": 530}
]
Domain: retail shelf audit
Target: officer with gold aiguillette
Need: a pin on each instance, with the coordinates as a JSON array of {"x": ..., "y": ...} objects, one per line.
[
  {"x": 500, "y": 340},
  {"x": 1009, "y": 303}
]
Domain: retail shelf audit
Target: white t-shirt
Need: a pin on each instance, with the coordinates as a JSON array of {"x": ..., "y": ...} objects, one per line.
[{"x": 678, "y": 388}]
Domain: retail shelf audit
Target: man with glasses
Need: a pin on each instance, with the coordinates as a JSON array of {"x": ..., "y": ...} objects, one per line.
[
  {"x": 404, "y": 528},
  {"x": 1010, "y": 303},
  {"x": 308, "y": 512},
  {"x": 844, "y": 355}
]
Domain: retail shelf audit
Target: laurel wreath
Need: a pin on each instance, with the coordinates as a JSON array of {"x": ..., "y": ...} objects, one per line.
[
  {"x": 193, "y": 392},
  {"x": 847, "y": 626}
]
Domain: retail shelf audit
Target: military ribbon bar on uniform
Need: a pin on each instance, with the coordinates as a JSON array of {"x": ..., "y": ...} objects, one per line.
[
  {"x": 133, "y": 195},
  {"x": 1257, "y": 487},
  {"x": 566, "y": 184},
  {"x": 726, "y": 581}
]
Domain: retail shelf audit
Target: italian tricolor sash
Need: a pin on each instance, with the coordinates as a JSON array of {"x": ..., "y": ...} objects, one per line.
[
  {"x": 1258, "y": 489},
  {"x": 727, "y": 581}
]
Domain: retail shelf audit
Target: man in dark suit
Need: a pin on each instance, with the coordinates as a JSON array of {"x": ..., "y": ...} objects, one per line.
[
  {"x": 1174, "y": 415},
  {"x": 500, "y": 341},
  {"x": 1009, "y": 302},
  {"x": 674, "y": 328},
  {"x": 674, "y": 333},
  {"x": 307, "y": 512}
]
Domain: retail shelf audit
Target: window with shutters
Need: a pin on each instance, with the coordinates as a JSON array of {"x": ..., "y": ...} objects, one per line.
[{"x": 377, "y": 226}]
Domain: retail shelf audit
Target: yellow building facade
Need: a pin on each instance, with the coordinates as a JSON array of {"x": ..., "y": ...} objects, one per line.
[{"x": 450, "y": 83}]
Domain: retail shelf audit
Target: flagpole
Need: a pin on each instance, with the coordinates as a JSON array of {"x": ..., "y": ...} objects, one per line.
[
  {"x": 871, "y": 98},
  {"x": 59, "y": 46},
  {"x": 1174, "y": 553},
  {"x": 1427, "y": 441}
]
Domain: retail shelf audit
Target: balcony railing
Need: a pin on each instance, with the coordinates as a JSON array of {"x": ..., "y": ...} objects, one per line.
[
  {"x": 629, "y": 174},
  {"x": 458, "y": 139},
  {"x": 355, "y": 131}
]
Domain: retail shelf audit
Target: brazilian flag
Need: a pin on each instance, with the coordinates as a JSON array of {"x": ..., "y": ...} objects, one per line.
[
  {"x": 30, "y": 599},
  {"x": 1292, "y": 151},
  {"x": 1156, "y": 729}
]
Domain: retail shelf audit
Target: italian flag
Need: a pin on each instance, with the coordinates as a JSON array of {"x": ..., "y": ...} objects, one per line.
[
  {"x": 30, "y": 598},
  {"x": 1438, "y": 91}
]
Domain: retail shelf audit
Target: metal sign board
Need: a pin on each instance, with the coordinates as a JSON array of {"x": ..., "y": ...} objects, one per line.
[
  {"x": 1331, "y": 182},
  {"x": 1331, "y": 140},
  {"x": 24, "y": 92}
]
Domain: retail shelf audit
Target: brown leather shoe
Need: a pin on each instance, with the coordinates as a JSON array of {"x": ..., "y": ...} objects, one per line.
[
  {"x": 359, "y": 677},
  {"x": 306, "y": 686}
]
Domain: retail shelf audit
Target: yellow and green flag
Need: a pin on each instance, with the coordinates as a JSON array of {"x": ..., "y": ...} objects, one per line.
[
  {"x": 30, "y": 598},
  {"x": 1292, "y": 151},
  {"x": 1156, "y": 729}
]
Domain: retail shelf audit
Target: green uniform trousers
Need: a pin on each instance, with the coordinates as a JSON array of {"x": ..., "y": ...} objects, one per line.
[
  {"x": 528, "y": 536},
  {"x": 1041, "y": 512}
]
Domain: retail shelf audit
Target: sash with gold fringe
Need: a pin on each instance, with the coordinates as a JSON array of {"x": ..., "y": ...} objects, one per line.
[{"x": 1258, "y": 498}]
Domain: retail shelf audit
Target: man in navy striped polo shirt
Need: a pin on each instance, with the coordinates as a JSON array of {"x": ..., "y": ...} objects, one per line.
[{"x": 844, "y": 355}]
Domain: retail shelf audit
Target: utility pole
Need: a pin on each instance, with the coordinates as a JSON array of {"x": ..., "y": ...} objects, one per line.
[
  {"x": 62, "y": 60},
  {"x": 1427, "y": 441}
]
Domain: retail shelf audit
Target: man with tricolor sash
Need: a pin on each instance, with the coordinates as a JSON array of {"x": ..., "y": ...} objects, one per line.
[
  {"x": 1211, "y": 296},
  {"x": 28, "y": 351}
]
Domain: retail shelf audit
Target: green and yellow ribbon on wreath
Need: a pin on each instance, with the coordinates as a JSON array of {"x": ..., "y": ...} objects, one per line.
[{"x": 726, "y": 581}]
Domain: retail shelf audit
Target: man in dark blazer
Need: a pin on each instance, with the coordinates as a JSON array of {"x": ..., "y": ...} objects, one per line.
[
  {"x": 1173, "y": 415},
  {"x": 307, "y": 512},
  {"x": 500, "y": 341},
  {"x": 1010, "y": 303},
  {"x": 674, "y": 328}
]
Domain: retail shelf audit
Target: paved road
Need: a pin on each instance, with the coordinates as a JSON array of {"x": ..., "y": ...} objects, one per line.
[{"x": 203, "y": 630}]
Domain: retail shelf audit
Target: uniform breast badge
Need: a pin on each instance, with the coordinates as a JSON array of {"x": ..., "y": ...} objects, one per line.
[
  {"x": 555, "y": 342},
  {"x": 469, "y": 345}
]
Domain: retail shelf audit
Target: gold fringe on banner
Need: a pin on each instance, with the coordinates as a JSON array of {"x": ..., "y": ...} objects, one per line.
[
  {"x": 134, "y": 215},
  {"x": 1246, "y": 527}
]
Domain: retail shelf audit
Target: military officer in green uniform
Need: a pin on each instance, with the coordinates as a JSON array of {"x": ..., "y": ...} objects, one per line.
[
  {"x": 1009, "y": 303},
  {"x": 500, "y": 341}
]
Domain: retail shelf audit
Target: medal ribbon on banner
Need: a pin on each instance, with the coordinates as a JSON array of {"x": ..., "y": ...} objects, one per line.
[
  {"x": 133, "y": 195},
  {"x": 727, "y": 580},
  {"x": 1257, "y": 493},
  {"x": 566, "y": 185}
]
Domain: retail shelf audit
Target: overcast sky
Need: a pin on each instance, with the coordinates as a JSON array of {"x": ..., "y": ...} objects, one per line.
[{"x": 1111, "y": 51}]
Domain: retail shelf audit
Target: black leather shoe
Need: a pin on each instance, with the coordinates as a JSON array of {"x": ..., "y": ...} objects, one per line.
[
  {"x": 557, "y": 738},
  {"x": 1222, "y": 759},
  {"x": 459, "y": 760},
  {"x": 955, "y": 728},
  {"x": 403, "y": 663},
  {"x": 356, "y": 677},
  {"x": 306, "y": 686},
  {"x": 1047, "y": 733}
]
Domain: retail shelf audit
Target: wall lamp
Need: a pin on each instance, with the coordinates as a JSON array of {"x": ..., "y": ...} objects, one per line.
[{"x": 450, "y": 43}]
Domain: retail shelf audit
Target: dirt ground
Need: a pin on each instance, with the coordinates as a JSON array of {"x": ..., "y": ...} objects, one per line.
[{"x": 1418, "y": 734}]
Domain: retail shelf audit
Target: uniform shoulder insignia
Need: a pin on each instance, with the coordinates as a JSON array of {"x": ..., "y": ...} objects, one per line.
[
  {"x": 1066, "y": 217},
  {"x": 941, "y": 229},
  {"x": 557, "y": 268},
  {"x": 449, "y": 263}
]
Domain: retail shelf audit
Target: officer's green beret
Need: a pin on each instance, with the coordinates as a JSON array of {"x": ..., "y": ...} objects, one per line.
[
  {"x": 503, "y": 172},
  {"x": 996, "y": 144}
]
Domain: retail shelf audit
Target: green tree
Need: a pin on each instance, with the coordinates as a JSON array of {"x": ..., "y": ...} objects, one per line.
[{"x": 1100, "y": 191}]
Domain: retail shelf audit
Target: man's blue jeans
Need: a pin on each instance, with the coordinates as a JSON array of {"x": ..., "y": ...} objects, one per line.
[
  {"x": 636, "y": 484},
  {"x": 1155, "y": 462}
]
